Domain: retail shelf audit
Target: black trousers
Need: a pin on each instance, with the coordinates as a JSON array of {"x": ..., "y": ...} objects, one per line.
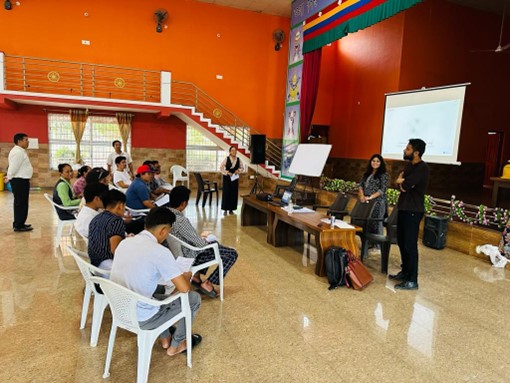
[
  {"x": 20, "y": 189},
  {"x": 408, "y": 227}
]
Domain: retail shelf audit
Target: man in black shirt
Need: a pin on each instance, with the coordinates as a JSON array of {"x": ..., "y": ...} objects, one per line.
[{"x": 412, "y": 182}]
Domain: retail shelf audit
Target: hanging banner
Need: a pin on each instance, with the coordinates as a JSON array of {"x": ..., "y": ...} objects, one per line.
[{"x": 346, "y": 17}]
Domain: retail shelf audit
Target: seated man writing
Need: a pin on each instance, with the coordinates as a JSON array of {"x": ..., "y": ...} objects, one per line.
[
  {"x": 183, "y": 229},
  {"x": 107, "y": 230},
  {"x": 140, "y": 263},
  {"x": 137, "y": 195},
  {"x": 121, "y": 177}
]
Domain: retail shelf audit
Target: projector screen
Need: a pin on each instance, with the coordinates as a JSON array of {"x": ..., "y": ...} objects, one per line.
[{"x": 433, "y": 114}]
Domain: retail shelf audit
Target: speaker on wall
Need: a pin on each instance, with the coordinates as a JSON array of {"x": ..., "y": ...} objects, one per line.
[
  {"x": 258, "y": 148},
  {"x": 434, "y": 231}
]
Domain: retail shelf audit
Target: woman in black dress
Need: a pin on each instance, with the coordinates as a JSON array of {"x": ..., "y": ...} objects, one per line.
[{"x": 230, "y": 168}]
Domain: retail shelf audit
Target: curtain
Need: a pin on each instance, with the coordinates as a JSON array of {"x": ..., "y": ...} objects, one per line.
[
  {"x": 78, "y": 122},
  {"x": 124, "y": 121},
  {"x": 309, "y": 90}
]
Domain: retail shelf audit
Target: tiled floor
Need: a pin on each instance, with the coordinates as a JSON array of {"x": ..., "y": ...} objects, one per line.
[{"x": 278, "y": 323}]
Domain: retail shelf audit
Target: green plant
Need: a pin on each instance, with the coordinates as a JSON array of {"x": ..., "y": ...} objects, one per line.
[{"x": 338, "y": 185}]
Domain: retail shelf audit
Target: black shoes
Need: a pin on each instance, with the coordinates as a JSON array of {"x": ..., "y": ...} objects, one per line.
[
  {"x": 407, "y": 285},
  {"x": 24, "y": 228},
  {"x": 398, "y": 277}
]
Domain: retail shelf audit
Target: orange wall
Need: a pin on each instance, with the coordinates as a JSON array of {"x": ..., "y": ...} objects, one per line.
[
  {"x": 202, "y": 40},
  {"x": 366, "y": 67},
  {"x": 427, "y": 45}
]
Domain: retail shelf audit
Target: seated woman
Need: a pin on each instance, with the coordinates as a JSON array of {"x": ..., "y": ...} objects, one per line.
[
  {"x": 98, "y": 174},
  {"x": 63, "y": 193},
  {"x": 79, "y": 185}
]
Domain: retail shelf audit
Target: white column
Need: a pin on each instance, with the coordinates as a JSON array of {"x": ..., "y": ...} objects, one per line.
[
  {"x": 2, "y": 72},
  {"x": 166, "y": 88}
]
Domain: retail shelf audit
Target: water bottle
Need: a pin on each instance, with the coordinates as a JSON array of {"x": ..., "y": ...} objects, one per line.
[
  {"x": 291, "y": 207},
  {"x": 332, "y": 221}
]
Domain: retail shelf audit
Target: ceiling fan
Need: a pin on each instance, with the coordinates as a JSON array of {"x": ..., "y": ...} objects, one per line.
[{"x": 500, "y": 48}]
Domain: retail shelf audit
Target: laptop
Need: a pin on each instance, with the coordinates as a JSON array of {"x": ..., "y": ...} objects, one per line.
[{"x": 287, "y": 195}]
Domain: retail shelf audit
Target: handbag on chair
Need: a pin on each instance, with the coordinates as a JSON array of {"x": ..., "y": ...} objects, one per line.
[{"x": 357, "y": 274}]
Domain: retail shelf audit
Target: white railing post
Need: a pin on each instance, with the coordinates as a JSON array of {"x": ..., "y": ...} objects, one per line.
[
  {"x": 2, "y": 72},
  {"x": 166, "y": 88}
]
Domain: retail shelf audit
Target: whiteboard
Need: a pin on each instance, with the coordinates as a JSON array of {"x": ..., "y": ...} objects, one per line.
[{"x": 309, "y": 159}]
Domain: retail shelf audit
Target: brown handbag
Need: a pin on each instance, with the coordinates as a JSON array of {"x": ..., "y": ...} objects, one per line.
[{"x": 357, "y": 274}]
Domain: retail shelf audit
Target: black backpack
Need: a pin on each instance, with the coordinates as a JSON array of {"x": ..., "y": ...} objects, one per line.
[{"x": 335, "y": 262}]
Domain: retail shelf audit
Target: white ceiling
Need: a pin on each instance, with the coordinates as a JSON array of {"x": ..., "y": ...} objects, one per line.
[{"x": 282, "y": 7}]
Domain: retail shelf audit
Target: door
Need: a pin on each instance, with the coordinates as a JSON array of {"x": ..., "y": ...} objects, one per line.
[{"x": 492, "y": 157}]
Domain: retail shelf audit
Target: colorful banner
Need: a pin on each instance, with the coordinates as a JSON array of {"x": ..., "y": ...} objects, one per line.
[
  {"x": 303, "y": 9},
  {"x": 291, "y": 130},
  {"x": 346, "y": 17}
]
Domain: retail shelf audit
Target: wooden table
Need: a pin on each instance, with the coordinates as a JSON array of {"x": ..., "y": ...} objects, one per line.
[
  {"x": 499, "y": 183},
  {"x": 287, "y": 230}
]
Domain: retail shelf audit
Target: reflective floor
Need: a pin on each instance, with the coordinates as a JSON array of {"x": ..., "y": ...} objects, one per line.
[{"x": 278, "y": 322}]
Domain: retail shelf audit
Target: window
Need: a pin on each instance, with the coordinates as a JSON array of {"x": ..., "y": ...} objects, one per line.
[
  {"x": 96, "y": 143},
  {"x": 202, "y": 155}
]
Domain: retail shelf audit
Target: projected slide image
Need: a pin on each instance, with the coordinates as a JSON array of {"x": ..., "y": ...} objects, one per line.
[{"x": 435, "y": 123}]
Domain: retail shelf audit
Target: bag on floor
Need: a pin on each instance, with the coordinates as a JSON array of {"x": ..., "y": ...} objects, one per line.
[
  {"x": 335, "y": 262},
  {"x": 357, "y": 274}
]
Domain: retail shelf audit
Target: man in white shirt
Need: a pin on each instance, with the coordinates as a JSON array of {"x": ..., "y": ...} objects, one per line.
[
  {"x": 121, "y": 177},
  {"x": 117, "y": 145},
  {"x": 141, "y": 263},
  {"x": 19, "y": 173},
  {"x": 93, "y": 203}
]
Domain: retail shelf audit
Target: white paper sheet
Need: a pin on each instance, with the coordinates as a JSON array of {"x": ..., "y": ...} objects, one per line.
[
  {"x": 338, "y": 223},
  {"x": 234, "y": 177}
]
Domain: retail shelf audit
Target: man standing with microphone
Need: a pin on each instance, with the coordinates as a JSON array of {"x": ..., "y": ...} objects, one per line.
[{"x": 19, "y": 173}]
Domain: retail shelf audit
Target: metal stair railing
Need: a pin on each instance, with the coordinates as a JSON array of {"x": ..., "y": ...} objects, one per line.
[
  {"x": 188, "y": 94},
  {"x": 48, "y": 76}
]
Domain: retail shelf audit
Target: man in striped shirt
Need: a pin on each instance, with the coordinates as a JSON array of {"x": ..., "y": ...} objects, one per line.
[{"x": 107, "y": 230}]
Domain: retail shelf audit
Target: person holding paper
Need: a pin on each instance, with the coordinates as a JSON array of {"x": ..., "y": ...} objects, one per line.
[
  {"x": 184, "y": 230},
  {"x": 230, "y": 168},
  {"x": 140, "y": 263}
]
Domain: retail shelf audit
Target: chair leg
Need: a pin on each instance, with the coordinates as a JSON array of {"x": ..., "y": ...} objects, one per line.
[
  {"x": 97, "y": 318},
  {"x": 210, "y": 198},
  {"x": 144, "y": 357},
  {"x": 199, "y": 194},
  {"x": 109, "y": 352},
  {"x": 85, "y": 307},
  {"x": 60, "y": 228},
  {"x": 364, "y": 248},
  {"x": 217, "y": 198},
  {"x": 385, "y": 255},
  {"x": 206, "y": 195}
]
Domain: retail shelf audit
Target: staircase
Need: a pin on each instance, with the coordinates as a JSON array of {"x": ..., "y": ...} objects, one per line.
[
  {"x": 222, "y": 126},
  {"x": 142, "y": 89}
]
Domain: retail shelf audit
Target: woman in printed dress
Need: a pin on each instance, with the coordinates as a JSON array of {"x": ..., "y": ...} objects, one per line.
[{"x": 373, "y": 186}]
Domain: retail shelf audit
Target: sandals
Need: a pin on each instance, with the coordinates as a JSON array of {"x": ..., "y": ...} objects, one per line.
[{"x": 210, "y": 294}]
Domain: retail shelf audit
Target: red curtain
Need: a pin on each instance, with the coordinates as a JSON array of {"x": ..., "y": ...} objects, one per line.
[{"x": 309, "y": 90}]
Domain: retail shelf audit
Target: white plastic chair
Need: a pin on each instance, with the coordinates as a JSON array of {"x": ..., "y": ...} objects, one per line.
[
  {"x": 87, "y": 271},
  {"x": 61, "y": 223},
  {"x": 179, "y": 173},
  {"x": 176, "y": 245},
  {"x": 123, "y": 304}
]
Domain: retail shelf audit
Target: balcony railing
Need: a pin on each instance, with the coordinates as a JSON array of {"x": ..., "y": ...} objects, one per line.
[{"x": 36, "y": 75}]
